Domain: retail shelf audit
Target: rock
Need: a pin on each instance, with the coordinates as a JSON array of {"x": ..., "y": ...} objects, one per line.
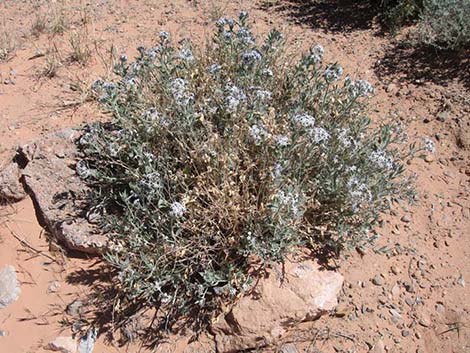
[
  {"x": 377, "y": 280},
  {"x": 429, "y": 158},
  {"x": 64, "y": 344},
  {"x": 3, "y": 333},
  {"x": 461, "y": 281},
  {"x": 59, "y": 194},
  {"x": 288, "y": 348},
  {"x": 395, "y": 270},
  {"x": 406, "y": 219},
  {"x": 9, "y": 286},
  {"x": 74, "y": 308},
  {"x": 463, "y": 138},
  {"x": 410, "y": 301},
  {"x": 343, "y": 310},
  {"x": 11, "y": 189},
  {"x": 53, "y": 287},
  {"x": 391, "y": 88},
  {"x": 395, "y": 290},
  {"x": 440, "y": 308},
  {"x": 424, "y": 320},
  {"x": 378, "y": 347},
  {"x": 304, "y": 294},
  {"x": 405, "y": 333}
]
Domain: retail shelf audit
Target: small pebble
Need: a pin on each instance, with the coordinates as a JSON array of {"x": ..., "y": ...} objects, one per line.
[
  {"x": 377, "y": 280},
  {"x": 406, "y": 219},
  {"x": 405, "y": 333},
  {"x": 395, "y": 270},
  {"x": 429, "y": 158}
]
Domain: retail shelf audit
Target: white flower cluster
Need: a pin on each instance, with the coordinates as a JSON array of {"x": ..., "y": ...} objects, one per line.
[
  {"x": 222, "y": 22},
  {"x": 151, "y": 118},
  {"x": 282, "y": 140},
  {"x": 290, "y": 200},
  {"x": 333, "y": 72},
  {"x": 344, "y": 138},
  {"x": 359, "y": 192},
  {"x": 179, "y": 89},
  {"x": 381, "y": 159},
  {"x": 244, "y": 36},
  {"x": 234, "y": 98},
  {"x": 214, "y": 68},
  {"x": 177, "y": 209},
  {"x": 186, "y": 54},
  {"x": 82, "y": 169},
  {"x": 151, "y": 181},
  {"x": 316, "y": 53},
  {"x": 258, "y": 133},
  {"x": 267, "y": 72},
  {"x": 164, "y": 36},
  {"x": 251, "y": 57},
  {"x": 359, "y": 88},
  {"x": 429, "y": 145},
  {"x": 277, "y": 171},
  {"x": 305, "y": 120},
  {"x": 263, "y": 94},
  {"x": 319, "y": 135}
]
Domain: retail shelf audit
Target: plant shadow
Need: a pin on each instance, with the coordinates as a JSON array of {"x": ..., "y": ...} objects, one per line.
[
  {"x": 415, "y": 63},
  {"x": 330, "y": 15}
]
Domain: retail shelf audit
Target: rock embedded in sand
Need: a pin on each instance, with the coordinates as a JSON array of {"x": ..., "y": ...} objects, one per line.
[
  {"x": 63, "y": 344},
  {"x": 58, "y": 193},
  {"x": 377, "y": 280},
  {"x": 11, "y": 189},
  {"x": 9, "y": 286},
  {"x": 304, "y": 294}
]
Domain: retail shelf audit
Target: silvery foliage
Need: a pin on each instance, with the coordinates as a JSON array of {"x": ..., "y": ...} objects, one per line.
[{"x": 213, "y": 161}]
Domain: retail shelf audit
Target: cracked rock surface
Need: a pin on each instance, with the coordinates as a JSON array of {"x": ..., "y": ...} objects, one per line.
[{"x": 58, "y": 193}]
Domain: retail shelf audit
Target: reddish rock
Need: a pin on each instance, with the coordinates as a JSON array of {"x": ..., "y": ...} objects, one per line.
[{"x": 304, "y": 294}]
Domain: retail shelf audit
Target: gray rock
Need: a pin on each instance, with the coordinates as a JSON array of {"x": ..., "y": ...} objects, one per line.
[
  {"x": 11, "y": 189},
  {"x": 9, "y": 286},
  {"x": 3, "y": 333},
  {"x": 59, "y": 194},
  {"x": 53, "y": 287},
  {"x": 377, "y": 280},
  {"x": 406, "y": 219},
  {"x": 74, "y": 308}
]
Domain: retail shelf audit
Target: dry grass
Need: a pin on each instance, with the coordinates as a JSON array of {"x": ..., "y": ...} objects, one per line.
[
  {"x": 7, "y": 42},
  {"x": 80, "y": 45},
  {"x": 52, "y": 62}
]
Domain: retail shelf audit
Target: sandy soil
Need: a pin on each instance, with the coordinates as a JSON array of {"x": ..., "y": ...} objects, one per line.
[{"x": 409, "y": 295}]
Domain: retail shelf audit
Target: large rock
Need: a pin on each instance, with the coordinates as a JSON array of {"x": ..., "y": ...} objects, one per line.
[
  {"x": 9, "y": 286},
  {"x": 58, "y": 193},
  {"x": 11, "y": 188},
  {"x": 303, "y": 293}
]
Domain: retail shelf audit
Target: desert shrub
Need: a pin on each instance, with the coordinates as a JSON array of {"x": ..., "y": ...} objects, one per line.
[
  {"x": 396, "y": 13},
  {"x": 445, "y": 24},
  {"x": 221, "y": 159}
]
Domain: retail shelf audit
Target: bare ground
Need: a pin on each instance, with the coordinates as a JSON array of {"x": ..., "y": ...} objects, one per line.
[{"x": 409, "y": 295}]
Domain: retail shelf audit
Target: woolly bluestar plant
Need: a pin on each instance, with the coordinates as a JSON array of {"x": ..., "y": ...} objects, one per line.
[{"x": 221, "y": 158}]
